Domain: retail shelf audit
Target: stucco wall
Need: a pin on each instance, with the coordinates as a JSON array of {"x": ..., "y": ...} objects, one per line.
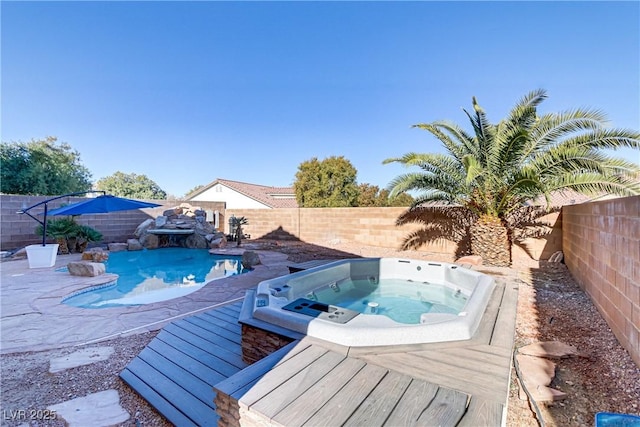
[
  {"x": 232, "y": 198},
  {"x": 601, "y": 242}
]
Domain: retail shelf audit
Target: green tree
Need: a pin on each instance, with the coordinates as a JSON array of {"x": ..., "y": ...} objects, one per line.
[
  {"x": 131, "y": 186},
  {"x": 369, "y": 195},
  {"x": 41, "y": 167},
  {"x": 494, "y": 172},
  {"x": 327, "y": 183},
  {"x": 372, "y": 195},
  {"x": 193, "y": 190}
]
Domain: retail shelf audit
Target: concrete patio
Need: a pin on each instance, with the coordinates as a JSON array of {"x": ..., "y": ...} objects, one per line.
[{"x": 33, "y": 317}]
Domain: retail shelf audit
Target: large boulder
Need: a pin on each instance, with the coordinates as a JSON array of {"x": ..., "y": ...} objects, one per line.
[
  {"x": 149, "y": 241},
  {"x": 86, "y": 269},
  {"x": 196, "y": 241},
  {"x": 134, "y": 245},
  {"x": 143, "y": 227},
  {"x": 250, "y": 259},
  {"x": 95, "y": 255},
  {"x": 117, "y": 247}
]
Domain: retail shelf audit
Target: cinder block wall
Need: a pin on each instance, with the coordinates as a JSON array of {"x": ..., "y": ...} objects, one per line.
[
  {"x": 17, "y": 231},
  {"x": 370, "y": 226},
  {"x": 601, "y": 242}
]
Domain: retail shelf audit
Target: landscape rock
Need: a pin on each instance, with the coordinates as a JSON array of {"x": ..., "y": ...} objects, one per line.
[
  {"x": 86, "y": 269},
  {"x": 82, "y": 357},
  {"x": 117, "y": 247},
  {"x": 536, "y": 374},
  {"x": 161, "y": 221},
  {"x": 97, "y": 409},
  {"x": 250, "y": 259},
  {"x": 551, "y": 349},
  {"x": 183, "y": 217},
  {"x": 149, "y": 241},
  {"x": 143, "y": 227},
  {"x": 134, "y": 245},
  {"x": 95, "y": 255}
]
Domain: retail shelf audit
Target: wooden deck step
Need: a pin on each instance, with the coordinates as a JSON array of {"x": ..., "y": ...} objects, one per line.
[{"x": 177, "y": 371}]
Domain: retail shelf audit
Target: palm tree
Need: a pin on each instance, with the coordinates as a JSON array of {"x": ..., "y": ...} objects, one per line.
[{"x": 500, "y": 168}]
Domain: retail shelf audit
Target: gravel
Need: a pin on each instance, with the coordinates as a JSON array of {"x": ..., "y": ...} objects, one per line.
[{"x": 551, "y": 307}]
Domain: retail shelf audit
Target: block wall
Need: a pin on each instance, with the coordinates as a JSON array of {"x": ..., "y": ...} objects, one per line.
[
  {"x": 18, "y": 230},
  {"x": 374, "y": 227},
  {"x": 601, "y": 242}
]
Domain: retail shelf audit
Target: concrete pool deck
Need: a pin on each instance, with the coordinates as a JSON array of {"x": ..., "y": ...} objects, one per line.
[{"x": 33, "y": 317}]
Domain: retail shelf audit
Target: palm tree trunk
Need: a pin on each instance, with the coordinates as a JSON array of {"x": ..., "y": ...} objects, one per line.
[
  {"x": 63, "y": 247},
  {"x": 490, "y": 239}
]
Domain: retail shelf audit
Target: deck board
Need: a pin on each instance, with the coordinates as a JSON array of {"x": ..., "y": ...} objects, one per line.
[
  {"x": 282, "y": 373},
  {"x": 418, "y": 395},
  {"x": 291, "y": 389},
  {"x": 180, "y": 399},
  {"x": 446, "y": 409},
  {"x": 192, "y": 381},
  {"x": 204, "y": 323},
  {"x": 209, "y": 335},
  {"x": 339, "y": 407},
  {"x": 377, "y": 407},
  {"x": 164, "y": 406},
  {"x": 309, "y": 402}
]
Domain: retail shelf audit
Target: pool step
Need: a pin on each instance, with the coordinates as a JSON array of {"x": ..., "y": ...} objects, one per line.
[{"x": 177, "y": 371}]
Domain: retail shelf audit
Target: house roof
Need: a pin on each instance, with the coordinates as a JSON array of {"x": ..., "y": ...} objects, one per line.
[{"x": 274, "y": 197}]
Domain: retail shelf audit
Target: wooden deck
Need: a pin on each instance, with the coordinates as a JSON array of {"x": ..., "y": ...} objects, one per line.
[
  {"x": 462, "y": 383},
  {"x": 176, "y": 372}
]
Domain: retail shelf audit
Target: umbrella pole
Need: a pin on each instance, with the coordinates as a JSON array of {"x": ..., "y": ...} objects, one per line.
[{"x": 44, "y": 226}]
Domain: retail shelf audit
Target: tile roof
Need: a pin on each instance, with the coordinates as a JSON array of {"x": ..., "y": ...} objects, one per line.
[{"x": 274, "y": 197}]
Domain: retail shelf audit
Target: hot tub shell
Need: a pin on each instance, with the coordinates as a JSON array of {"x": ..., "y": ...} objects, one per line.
[{"x": 372, "y": 329}]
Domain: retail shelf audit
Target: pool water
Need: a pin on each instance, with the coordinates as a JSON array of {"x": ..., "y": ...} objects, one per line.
[
  {"x": 402, "y": 300},
  {"x": 156, "y": 275}
]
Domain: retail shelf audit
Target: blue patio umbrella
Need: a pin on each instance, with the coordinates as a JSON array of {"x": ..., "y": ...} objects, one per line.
[{"x": 101, "y": 204}]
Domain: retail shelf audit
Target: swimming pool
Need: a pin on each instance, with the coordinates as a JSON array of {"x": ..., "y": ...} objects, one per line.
[
  {"x": 156, "y": 275},
  {"x": 376, "y": 301}
]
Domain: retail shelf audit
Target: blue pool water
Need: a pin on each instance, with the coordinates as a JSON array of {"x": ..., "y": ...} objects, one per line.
[
  {"x": 156, "y": 275},
  {"x": 401, "y": 300}
]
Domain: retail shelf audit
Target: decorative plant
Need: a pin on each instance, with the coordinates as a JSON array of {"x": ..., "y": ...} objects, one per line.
[
  {"x": 70, "y": 235},
  {"x": 60, "y": 230},
  {"x": 86, "y": 235},
  {"x": 236, "y": 228}
]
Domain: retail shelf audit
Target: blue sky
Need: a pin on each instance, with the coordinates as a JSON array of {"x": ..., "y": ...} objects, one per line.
[{"x": 187, "y": 92}]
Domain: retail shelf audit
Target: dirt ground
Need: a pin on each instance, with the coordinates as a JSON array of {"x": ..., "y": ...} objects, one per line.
[{"x": 551, "y": 307}]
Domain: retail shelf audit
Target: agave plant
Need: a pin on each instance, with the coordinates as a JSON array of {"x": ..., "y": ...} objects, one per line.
[
  {"x": 86, "y": 235},
  {"x": 500, "y": 168}
]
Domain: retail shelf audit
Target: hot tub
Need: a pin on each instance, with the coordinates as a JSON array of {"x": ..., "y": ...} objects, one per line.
[{"x": 377, "y": 301}]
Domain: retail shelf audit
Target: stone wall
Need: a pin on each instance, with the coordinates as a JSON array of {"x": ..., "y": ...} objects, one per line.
[
  {"x": 601, "y": 242},
  {"x": 257, "y": 343},
  {"x": 17, "y": 231}
]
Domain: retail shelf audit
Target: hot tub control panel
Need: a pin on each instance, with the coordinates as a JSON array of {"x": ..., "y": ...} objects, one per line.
[{"x": 321, "y": 310}]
